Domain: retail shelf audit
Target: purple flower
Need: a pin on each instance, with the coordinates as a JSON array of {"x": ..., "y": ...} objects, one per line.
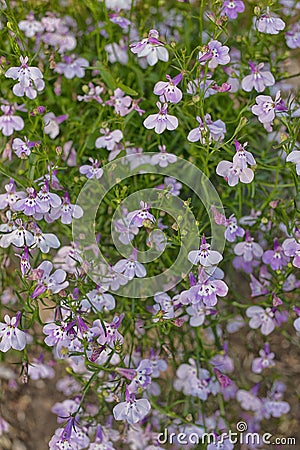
[
  {"x": 293, "y": 36},
  {"x": 232, "y": 229},
  {"x": 233, "y": 174},
  {"x": 275, "y": 258},
  {"x": 19, "y": 237},
  {"x": 139, "y": 217},
  {"x": 162, "y": 120},
  {"x": 168, "y": 91},
  {"x": 132, "y": 410},
  {"x": 52, "y": 123},
  {"x": 117, "y": 52},
  {"x": 92, "y": 93},
  {"x": 93, "y": 171},
  {"x": 207, "y": 131},
  {"x": 99, "y": 300},
  {"x": 54, "y": 283},
  {"x": 232, "y": 8},
  {"x": 72, "y": 67},
  {"x": 109, "y": 140},
  {"x": 11, "y": 196},
  {"x": 30, "y": 79},
  {"x": 151, "y": 48},
  {"x": 171, "y": 185},
  {"x": 163, "y": 159},
  {"x": 264, "y": 361},
  {"x": 269, "y": 24},
  {"x": 66, "y": 211},
  {"x": 257, "y": 288},
  {"x": 30, "y": 205},
  {"x": 292, "y": 248},
  {"x": 266, "y": 107},
  {"x": 22, "y": 148},
  {"x": 30, "y": 26},
  {"x": 130, "y": 268},
  {"x": 54, "y": 333},
  {"x": 216, "y": 54},
  {"x": 263, "y": 318},
  {"x": 120, "y": 102},
  {"x": 208, "y": 289},
  {"x": 258, "y": 79},
  {"x": 165, "y": 305},
  {"x": 204, "y": 256},
  {"x": 47, "y": 199},
  {"x": 249, "y": 249},
  {"x": 11, "y": 336},
  {"x": 198, "y": 313},
  {"x": 44, "y": 241},
  {"x": 9, "y": 122},
  {"x": 37, "y": 370},
  {"x": 294, "y": 157}
]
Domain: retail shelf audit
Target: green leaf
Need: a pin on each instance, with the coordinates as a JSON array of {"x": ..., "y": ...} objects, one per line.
[
  {"x": 106, "y": 75},
  {"x": 5, "y": 172},
  {"x": 126, "y": 89}
]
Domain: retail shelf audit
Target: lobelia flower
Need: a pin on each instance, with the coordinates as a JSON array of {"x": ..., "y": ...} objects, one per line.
[
  {"x": 109, "y": 140},
  {"x": 258, "y": 79},
  {"x": 151, "y": 48},
  {"x": 198, "y": 85},
  {"x": 232, "y": 229},
  {"x": 9, "y": 122},
  {"x": 30, "y": 205},
  {"x": 237, "y": 170},
  {"x": 292, "y": 36},
  {"x": 120, "y": 102},
  {"x": 30, "y": 79},
  {"x": 249, "y": 249},
  {"x": 162, "y": 120},
  {"x": 11, "y": 336},
  {"x": 30, "y": 26},
  {"x": 165, "y": 304},
  {"x": 66, "y": 212},
  {"x": 22, "y": 148},
  {"x": 257, "y": 288},
  {"x": 52, "y": 123},
  {"x": 275, "y": 258},
  {"x": 132, "y": 410},
  {"x": 117, "y": 52},
  {"x": 93, "y": 171},
  {"x": 269, "y": 24},
  {"x": 216, "y": 54},
  {"x": 198, "y": 313},
  {"x": 207, "y": 289},
  {"x": 163, "y": 159},
  {"x": 72, "y": 67},
  {"x": 171, "y": 185},
  {"x": 19, "y": 237},
  {"x": 263, "y": 318},
  {"x": 294, "y": 157},
  {"x": 44, "y": 241},
  {"x": 58, "y": 34},
  {"x": 168, "y": 91},
  {"x": 264, "y": 361},
  {"x": 24, "y": 262},
  {"x": 130, "y": 268},
  {"x": 207, "y": 131},
  {"x": 291, "y": 248},
  {"x": 46, "y": 200},
  {"x": 11, "y": 196},
  {"x": 204, "y": 256},
  {"x": 91, "y": 93},
  {"x": 108, "y": 334},
  {"x": 231, "y": 8},
  {"x": 37, "y": 370},
  {"x": 99, "y": 300},
  {"x": 126, "y": 230},
  {"x": 54, "y": 283},
  {"x": 140, "y": 217},
  {"x": 266, "y": 107}
]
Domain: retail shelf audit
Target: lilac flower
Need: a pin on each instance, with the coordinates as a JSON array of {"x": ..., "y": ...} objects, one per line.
[
  {"x": 30, "y": 26},
  {"x": 269, "y": 24},
  {"x": 171, "y": 185},
  {"x": 165, "y": 305},
  {"x": 238, "y": 169},
  {"x": 199, "y": 85},
  {"x": 52, "y": 123},
  {"x": 4, "y": 426},
  {"x": 232, "y": 8},
  {"x": 30, "y": 79},
  {"x": 140, "y": 377},
  {"x": 151, "y": 48},
  {"x": 120, "y": 102},
  {"x": 72, "y": 67},
  {"x": 24, "y": 262},
  {"x": 47, "y": 199},
  {"x": 249, "y": 249},
  {"x": 139, "y": 217},
  {"x": 198, "y": 314},
  {"x": 216, "y": 54},
  {"x": 109, "y": 140},
  {"x": 257, "y": 288},
  {"x": 108, "y": 334},
  {"x": 9, "y": 122},
  {"x": 19, "y": 237},
  {"x": 58, "y": 34},
  {"x": 294, "y": 157},
  {"x": 207, "y": 131},
  {"x": 264, "y": 361},
  {"x": 37, "y": 370},
  {"x": 263, "y": 318},
  {"x": 207, "y": 289},
  {"x": 130, "y": 267},
  {"x": 91, "y": 93},
  {"x": 117, "y": 52},
  {"x": 11, "y": 196},
  {"x": 293, "y": 36},
  {"x": 66, "y": 212},
  {"x": 266, "y": 107},
  {"x": 11, "y": 336},
  {"x": 258, "y": 79},
  {"x": 162, "y": 120},
  {"x": 120, "y": 20},
  {"x": 45, "y": 241},
  {"x": 297, "y": 325},
  {"x": 232, "y": 229},
  {"x": 204, "y": 256},
  {"x": 291, "y": 248},
  {"x": 168, "y": 91},
  {"x": 64, "y": 409},
  {"x": 30, "y": 205},
  {"x": 276, "y": 258},
  {"x": 54, "y": 333},
  {"x": 163, "y": 159},
  {"x": 22, "y": 148},
  {"x": 93, "y": 171},
  {"x": 54, "y": 283},
  {"x": 132, "y": 410},
  {"x": 125, "y": 229},
  {"x": 99, "y": 300}
]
